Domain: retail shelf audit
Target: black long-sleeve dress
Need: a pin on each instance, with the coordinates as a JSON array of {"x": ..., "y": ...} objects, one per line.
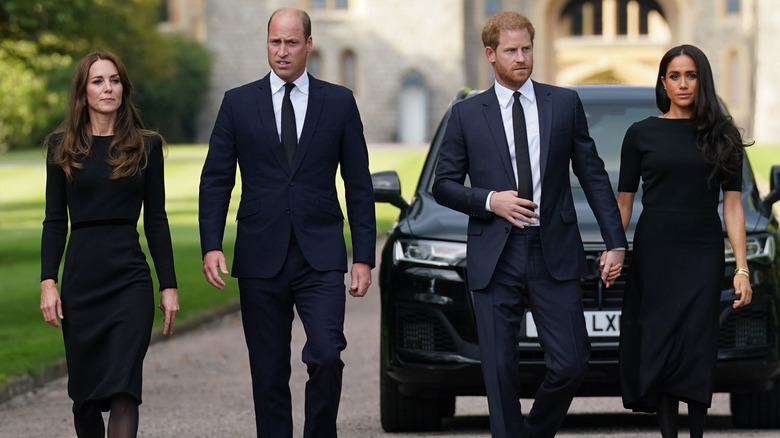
[
  {"x": 107, "y": 292},
  {"x": 669, "y": 324}
]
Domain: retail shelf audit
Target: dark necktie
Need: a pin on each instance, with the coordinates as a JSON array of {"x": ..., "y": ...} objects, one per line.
[
  {"x": 525, "y": 182},
  {"x": 289, "y": 130}
]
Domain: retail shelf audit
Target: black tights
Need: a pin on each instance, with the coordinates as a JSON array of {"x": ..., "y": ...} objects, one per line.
[
  {"x": 668, "y": 415},
  {"x": 122, "y": 422}
]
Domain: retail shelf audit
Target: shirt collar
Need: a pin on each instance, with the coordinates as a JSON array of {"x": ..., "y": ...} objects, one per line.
[
  {"x": 504, "y": 94},
  {"x": 302, "y": 83}
]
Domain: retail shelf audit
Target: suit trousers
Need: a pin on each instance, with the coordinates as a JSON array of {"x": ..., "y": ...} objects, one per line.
[
  {"x": 267, "y": 314},
  {"x": 521, "y": 281}
]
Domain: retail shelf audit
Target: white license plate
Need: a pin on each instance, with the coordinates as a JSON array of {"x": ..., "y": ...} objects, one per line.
[{"x": 600, "y": 323}]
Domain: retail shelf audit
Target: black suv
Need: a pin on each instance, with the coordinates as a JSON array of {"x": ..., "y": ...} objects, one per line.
[{"x": 429, "y": 349}]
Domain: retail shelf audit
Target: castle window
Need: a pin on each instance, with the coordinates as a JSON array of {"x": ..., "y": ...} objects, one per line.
[
  {"x": 613, "y": 17},
  {"x": 314, "y": 64},
  {"x": 328, "y": 4},
  {"x": 348, "y": 70},
  {"x": 492, "y": 7}
]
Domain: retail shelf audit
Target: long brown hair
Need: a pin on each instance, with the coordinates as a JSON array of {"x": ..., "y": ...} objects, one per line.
[
  {"x": 717, "y": 137},
  {"x": 127, "y": 153}
]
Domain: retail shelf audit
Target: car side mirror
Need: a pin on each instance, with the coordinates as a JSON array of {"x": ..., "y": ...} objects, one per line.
[
  {"x": 387, "y": 188},
  {"x": 774, "y": 187}
]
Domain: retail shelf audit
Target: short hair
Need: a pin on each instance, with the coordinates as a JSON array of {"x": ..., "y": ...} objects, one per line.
[
  {"x": 302, "y": 15},
  {"x": 504, "y": 21}
]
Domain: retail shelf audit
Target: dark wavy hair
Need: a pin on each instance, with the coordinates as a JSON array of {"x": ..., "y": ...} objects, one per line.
[
  {"x": 127, "y": 153},
  {"x": 716, "y": 135}
]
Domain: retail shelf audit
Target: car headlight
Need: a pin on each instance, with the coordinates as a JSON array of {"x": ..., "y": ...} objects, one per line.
[
  {"x": 429, "y": 252},
  {"x": 760, "y": 248}
]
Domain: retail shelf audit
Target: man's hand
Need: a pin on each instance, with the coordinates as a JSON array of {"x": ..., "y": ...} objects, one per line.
[
  {"x": 361, "y": 279},
  {"x": 515, "y": 210},
  {"x": 611, "y": 265},
  {"x": 213, "y": 265}
]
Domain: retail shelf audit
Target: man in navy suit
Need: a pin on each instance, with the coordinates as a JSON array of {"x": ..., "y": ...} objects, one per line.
[
  {"x": 289, "y": 133},
  {"x": 515, "y": 142}
]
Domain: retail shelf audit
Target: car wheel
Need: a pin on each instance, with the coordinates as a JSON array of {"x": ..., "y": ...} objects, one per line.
[
  {"x": 757, "y": 409},
  {"x": 401, "y": 413}
]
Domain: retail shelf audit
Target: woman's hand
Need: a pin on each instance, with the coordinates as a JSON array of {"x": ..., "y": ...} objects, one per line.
[
  {"x": 611, "y": 267},
  {"x": 51, "y": 306},
  {"x": 743, "y": 290},
  {"x": 169, "y": 304}
]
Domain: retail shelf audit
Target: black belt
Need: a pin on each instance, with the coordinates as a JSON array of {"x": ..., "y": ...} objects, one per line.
[
  {"x": 101, "y": 223},
  {"x": 528, "y": 230}
]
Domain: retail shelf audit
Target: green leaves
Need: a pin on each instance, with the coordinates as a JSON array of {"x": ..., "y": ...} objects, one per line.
[{"x": 41, "y": 40}]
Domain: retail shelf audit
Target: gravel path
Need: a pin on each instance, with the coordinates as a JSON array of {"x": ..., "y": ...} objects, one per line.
[{"x": 197, "y": 384}]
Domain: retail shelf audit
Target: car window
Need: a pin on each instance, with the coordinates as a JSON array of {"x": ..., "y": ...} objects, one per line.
[{"x": 607, "y": 122}]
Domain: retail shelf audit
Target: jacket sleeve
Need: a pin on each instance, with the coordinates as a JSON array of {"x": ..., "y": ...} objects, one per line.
[
  {"x": 158, "y": 234},
  {"x": 55, "y": 224},
  {"x": 217, "y": 180}
]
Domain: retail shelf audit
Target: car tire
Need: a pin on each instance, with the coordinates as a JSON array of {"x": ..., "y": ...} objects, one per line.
[
  {"x": 757, "y": 410},
  {"x": 401, "y": 413}
]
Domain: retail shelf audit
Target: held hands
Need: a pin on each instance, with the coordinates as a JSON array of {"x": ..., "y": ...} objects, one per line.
[
  {"x": 169, "y": 304},
  {"x": 743, "y": 290},
  {"x": 51, "y": 306},
  {"x": 214, "y": 264},
  {"x": 515, "y": 210},
  {"x": 611, "y": 265},
  {"x": 361, "y": 279}
]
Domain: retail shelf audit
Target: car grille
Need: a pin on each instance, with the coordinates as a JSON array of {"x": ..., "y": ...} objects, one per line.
[
  {"x": 595, "y": 296},
  {"x": 422, "y": 330},
  {"x": 747, "y": 327}
]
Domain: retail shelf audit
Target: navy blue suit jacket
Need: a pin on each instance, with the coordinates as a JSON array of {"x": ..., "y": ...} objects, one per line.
[
  {"x": 475, "y": 145},
  {"x": 277, "y": 199}
]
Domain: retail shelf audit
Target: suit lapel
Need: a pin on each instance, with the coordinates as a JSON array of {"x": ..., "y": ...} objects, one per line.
[
  {"x": 544, "y": 105},
  {"x": 265, "y": 107},
  {"x": 492, "y": 114}
]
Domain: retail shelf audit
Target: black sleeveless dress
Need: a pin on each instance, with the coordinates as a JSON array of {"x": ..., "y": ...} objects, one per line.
[
  {"x": 669, "y": 324},
  {"x": 107, "y": 292}
]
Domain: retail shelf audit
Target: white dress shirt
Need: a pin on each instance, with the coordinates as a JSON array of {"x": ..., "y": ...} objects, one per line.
[
  {"x": 299, "y": 96},
  {"x": 528, "y": 100}
]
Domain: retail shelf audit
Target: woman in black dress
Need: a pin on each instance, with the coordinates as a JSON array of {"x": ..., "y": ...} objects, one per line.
[
  {"x": 102, "y": 167},
  {"x": 685, "y": 157}
]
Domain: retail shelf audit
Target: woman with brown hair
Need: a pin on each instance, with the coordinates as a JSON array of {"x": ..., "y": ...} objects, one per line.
[
  {"x": 102, "y": 168},
  {"x": 685, "y": 158}
]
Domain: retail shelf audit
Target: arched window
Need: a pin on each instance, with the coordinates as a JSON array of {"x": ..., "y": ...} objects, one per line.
[
  {"x": 413, "y": 109},
  {"x": 314, "y": 65},
  {"x": 328, "y": 4},
  {"x": 348, "y": 74},
  {"x": 492, "y": 7},
  {"x": 599, "y": 17},
  {"x": 733, "y": 78}
]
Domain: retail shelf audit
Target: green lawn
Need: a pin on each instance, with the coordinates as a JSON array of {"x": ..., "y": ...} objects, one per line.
[{"x": 27, "y": 344}]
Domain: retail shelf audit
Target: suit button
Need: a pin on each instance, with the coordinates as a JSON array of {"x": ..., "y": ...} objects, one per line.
[
  {"x": 287, "y": 210},
  {"x": 292, "y": 183},
  {"x": 507, "y": 229}
]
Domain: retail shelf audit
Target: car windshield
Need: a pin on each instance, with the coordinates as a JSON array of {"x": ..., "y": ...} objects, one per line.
[{"x": 608, "y": 121}]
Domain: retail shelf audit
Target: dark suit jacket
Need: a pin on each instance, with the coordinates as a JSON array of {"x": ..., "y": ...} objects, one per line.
[
  {"x": 277, "y": 199},
  {"x": 475, "y": 145}
]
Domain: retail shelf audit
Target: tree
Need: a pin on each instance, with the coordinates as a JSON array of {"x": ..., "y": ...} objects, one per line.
[{"x": 41, "y": 40}]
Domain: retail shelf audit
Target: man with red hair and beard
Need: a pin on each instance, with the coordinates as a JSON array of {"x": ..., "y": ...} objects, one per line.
[{"x": 516, "y": 142}]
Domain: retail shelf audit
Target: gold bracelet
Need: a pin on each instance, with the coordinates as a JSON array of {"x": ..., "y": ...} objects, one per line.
[{"x": 742, "y": 271}]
